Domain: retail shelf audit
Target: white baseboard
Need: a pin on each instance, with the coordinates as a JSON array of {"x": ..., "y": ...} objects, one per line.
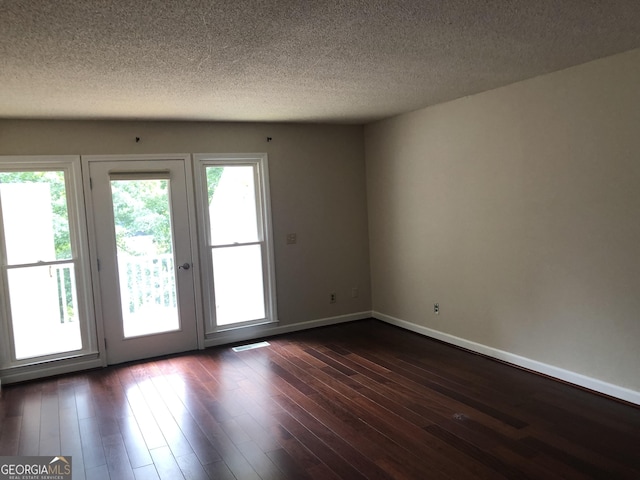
[
  {"x": 259, "y": 331},
  {"x": 31, "y": 372},
  {"x": 568, "y": 376}
]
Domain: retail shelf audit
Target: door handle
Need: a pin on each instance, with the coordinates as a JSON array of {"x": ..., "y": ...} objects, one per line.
[{"x": 184, "y": 266}]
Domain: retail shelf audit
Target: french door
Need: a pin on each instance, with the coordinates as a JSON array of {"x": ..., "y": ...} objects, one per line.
[
  {"x": 143, "y": 225},
  {"x": 99, "y": 257}
]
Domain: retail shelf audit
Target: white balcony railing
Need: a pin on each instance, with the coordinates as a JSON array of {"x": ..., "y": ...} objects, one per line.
[
  {"x": 143, "y": 281},
  {"x": 148, "y": 280}
]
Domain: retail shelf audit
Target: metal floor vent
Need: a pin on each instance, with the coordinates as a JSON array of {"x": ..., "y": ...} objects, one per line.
[{"x": 251, "y": 346}]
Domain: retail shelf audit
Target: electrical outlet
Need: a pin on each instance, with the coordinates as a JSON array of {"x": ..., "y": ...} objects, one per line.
[
  {"x": 292, "y": 238},
  {"x": 332, "y": 298},
  {"x": 436, "y": 308}
]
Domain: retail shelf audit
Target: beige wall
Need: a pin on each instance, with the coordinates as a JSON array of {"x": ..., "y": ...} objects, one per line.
[
  {"x": 317, "y": 191},
  {"x": 518, "y": 210}
]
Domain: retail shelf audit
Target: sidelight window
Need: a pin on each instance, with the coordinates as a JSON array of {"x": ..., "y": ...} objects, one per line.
[
  {"x": 45, "y": 313},
  {"x": 234, "y": 210}
]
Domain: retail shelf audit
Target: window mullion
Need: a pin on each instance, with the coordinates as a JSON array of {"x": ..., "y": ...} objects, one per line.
[
  {"x": 40, "y": 264},
  {"x": 238, "y": 244}
]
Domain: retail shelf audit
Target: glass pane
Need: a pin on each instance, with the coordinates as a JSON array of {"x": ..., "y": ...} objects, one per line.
[
  {"x": 44, "y": 310},
  {"x": 232, "y": 205},
  {"x": 36, "y": 220},
  {"x": 142, "y": 215},
  {"x": 237, "y": 276}
]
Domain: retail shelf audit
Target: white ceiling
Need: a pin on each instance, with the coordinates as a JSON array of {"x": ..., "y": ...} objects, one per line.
[{"x": 299, "y": 61}]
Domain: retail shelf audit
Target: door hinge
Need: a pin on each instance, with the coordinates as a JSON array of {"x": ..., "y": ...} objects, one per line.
[
  {"x": 90, "y": 183},
  {"x": 105, "y": 343},
  {"x": 98, "y": 264}
]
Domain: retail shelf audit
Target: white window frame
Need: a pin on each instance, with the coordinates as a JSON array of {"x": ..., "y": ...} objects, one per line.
[
  {"x": 64, "y": 361},
  {"x": 259, "y": 161}
]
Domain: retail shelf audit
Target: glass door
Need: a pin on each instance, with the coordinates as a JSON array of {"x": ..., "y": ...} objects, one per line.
[{"x": 143, "y": 243}]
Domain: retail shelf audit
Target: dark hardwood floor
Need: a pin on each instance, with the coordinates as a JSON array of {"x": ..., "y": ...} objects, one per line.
[{"x": 359, "y": 400}]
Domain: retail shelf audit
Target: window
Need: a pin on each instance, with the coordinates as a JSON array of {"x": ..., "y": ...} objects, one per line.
[
  {"x": 46, "y": 307},
  {"x": 236, "y": 238}
]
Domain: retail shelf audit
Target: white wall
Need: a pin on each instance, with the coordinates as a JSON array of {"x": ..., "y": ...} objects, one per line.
[
  {"x": 518, "y": 210},
  {"x": 317, "y": 189}
]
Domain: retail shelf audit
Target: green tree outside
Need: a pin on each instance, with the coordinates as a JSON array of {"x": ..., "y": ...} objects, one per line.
[{"x": 141, "y": 208}]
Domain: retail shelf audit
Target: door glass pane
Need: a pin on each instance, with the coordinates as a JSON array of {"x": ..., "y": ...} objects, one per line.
[
  {"x": 232, "y": 205},
  {"x": 144, "y": 244},
  {"x": 35, "y": 216},
  {"x": 238, "y": 285},
  {"x": 44, "y": 310}
]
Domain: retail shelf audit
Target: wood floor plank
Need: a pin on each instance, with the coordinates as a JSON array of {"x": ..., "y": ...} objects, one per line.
[
  {"x": 134, "y": 443},
  {"x": 196, "y": 401},
  {"x": 10, "y": 436},
  {"x": 351, "y": 401},
  {"x": 273, "y": 436},
  {"x": 11, "y": 402},
  {"x": 322, "y": 472},
  {"x": 238, "y": 464},
  {"x": 219, "y": 471},
  {"x": 29, "y": 443},
  {"x": 534, "y": 468},
  {"x": 586, "y": 462},
  {"x": 170, "y": 429},
  {"x": 151, "y": 433},
  {"x": 305, "y": 459},
  {"x": 260, "y": 462},
  {"x": 148, "y": 472},
  {"x": 395, "y": 456},
  {"x": 191, "y": 467},
  {"x": 354, "y": 430},
  {"x": 287, "y": 464},
  {"x": 50, "y": 422},
  {"x": 166, "y": 464},
  {"x": 414, "y": 374},
  {"x": 287, "y": 427},
  {"x": 365, "y": 466},
  {"x": 70, "y": 438},
  {"x": 92, "y": 449},
  {"x": 100, "y": 472},
  {"x": 116, "y": 457},
  {"x": 84, "y": 402},
  {"x": 257, "y": 433},
  {"x": 432, "y": 406},
  {"x": 507, "y": 471},
  {"x": 189, "y": 426},
  {"x": 329, "y": 457}
]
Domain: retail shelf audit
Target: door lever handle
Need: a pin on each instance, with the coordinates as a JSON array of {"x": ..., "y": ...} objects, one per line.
[{"x": 184, "y": 266}]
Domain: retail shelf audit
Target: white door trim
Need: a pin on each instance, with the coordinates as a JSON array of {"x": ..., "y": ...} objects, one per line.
[{"x": 91, "y": 224}]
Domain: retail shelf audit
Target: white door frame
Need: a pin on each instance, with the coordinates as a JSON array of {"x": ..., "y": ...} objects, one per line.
[{"x": 91, "y": 223}]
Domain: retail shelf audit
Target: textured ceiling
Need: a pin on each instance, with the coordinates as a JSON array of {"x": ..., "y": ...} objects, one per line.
[{"x": 311, "y": 61}]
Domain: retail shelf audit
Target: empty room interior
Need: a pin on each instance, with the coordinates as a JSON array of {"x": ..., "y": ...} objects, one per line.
[{"x": 359, "y": 239}]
